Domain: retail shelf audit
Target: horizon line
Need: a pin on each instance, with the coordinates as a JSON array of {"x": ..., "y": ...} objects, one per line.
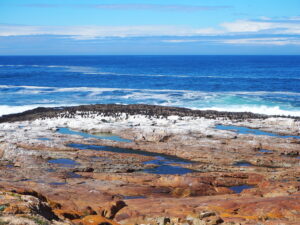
[{"x": 151, "y": 55}]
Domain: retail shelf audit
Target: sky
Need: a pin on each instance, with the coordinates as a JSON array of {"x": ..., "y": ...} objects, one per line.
[{"x": 155, "y": 27}]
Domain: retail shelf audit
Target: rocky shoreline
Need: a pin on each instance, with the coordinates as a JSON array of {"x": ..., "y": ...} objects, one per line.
[
  {"x": 113, "y": 110},
  {"x": 143, "y": 164}
]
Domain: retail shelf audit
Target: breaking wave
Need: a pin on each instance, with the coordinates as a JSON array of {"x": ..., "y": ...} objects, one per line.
[
  {"x": 262, "y": 102},
  {"x": 7, "y": 109}
]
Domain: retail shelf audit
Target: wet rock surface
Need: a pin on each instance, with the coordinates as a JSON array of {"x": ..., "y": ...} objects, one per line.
[{"x": 163, "y": 165}]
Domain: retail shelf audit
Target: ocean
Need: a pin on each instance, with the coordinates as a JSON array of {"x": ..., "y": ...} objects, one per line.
[{"x": 259, "y": 84}]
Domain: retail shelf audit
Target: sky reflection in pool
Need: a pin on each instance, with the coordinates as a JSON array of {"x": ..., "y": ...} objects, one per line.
[
  {"x": 64, "y": 162},
  {"x": 64, "y": 130},
  {"x": 240, "y": 188},
  {"x": 245, "y": 130},
  {"x": 162, "y": 161}
]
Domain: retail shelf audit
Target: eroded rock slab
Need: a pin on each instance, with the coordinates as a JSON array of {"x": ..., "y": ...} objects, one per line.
[{"x": 175, "y": 166}]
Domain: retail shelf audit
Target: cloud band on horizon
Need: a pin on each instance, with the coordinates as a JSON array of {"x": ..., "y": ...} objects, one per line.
[{"x": 249, "y": 27}]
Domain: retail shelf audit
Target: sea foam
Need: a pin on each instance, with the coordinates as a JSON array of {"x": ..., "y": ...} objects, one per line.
[
  {"x": 7, "y": 109},
  {"x": 240, "y": 101}
]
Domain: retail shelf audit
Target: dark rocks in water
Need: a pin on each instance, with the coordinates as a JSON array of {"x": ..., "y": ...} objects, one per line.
[
  {"x": 291, "y": 153},
  {"x": 117, "y": 110}
]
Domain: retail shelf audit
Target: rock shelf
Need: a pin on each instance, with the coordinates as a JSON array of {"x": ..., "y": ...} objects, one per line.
[{"x": 80, "y": 176}]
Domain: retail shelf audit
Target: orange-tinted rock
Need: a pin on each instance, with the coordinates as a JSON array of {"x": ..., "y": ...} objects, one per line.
[
  {"x": 103, "y": 182},
  {"x": 111, "y": 210},
  {"x": 97, "y": 220},
  {"x": 66, "y": 214},
  {"x": 17, "y": 208}
]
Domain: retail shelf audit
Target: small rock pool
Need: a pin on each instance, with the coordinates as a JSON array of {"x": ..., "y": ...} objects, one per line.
[
  {"x": 106, "y": 136},
  {"x": 243, "y": 163},
  {"x": 63, "y": 162},
  {"x": 240, "y": 188},
  {"x": 245, "y": 130},
  {"x": 266, "y": 151}
]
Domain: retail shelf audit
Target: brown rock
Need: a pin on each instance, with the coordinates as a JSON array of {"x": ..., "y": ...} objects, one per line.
[
  {"x": 97, "y": 220},
  {"x": 111, "y": 211}
]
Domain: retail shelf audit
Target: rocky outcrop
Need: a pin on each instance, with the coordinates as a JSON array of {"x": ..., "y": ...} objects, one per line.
[
  {"x": 225, "y": 177},
  {"x": 26, "y": 209},
  {"x": 115, "y": 110}
]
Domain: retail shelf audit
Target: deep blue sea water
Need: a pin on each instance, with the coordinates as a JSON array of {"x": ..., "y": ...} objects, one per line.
[{"x": 262, "y": 84}]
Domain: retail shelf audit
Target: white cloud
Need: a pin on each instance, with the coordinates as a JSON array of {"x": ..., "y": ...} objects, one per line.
[
  {"x": 263, "y": 41},
  {"x": 180, "y": 41},
  {"x": 91, "y": 32},
  {"x": 266, "y": 24},
  {"x": 278, "y": 41},
  {"x": 235, "y": 32},
  {"x": 246, "y": 26}
]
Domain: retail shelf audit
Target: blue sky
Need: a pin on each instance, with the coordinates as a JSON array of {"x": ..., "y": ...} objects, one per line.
[{"x": 46, "y": 27}]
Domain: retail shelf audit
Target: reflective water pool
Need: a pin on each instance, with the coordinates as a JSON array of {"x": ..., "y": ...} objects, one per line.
[
  {"x": 240, "y": 188},
  {"x": 64, "y": 162},
  {"x": 64, "y": 130},
  {"x": 162, "y": 161},
  {"x": 245, "y": 130},
  {"x": 243, "y": 164}
]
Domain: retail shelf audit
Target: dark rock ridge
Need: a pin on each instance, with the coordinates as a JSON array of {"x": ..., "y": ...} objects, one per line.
[{"x": 115, "y": 110}]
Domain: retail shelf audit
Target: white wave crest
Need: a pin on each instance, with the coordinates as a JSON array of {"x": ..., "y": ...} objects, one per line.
[
  {"x": 7, "y": 109},
  {"x": 189, "y": 92},
  {"x": 220, "y": 101},
  {"x": 142, "y": 75}
]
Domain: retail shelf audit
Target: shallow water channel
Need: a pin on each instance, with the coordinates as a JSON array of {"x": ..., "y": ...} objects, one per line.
[
  {"x": 106, "y": 136},
  {"x": 163, "y": 162},
  {"x": 245, "y": 130}
]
